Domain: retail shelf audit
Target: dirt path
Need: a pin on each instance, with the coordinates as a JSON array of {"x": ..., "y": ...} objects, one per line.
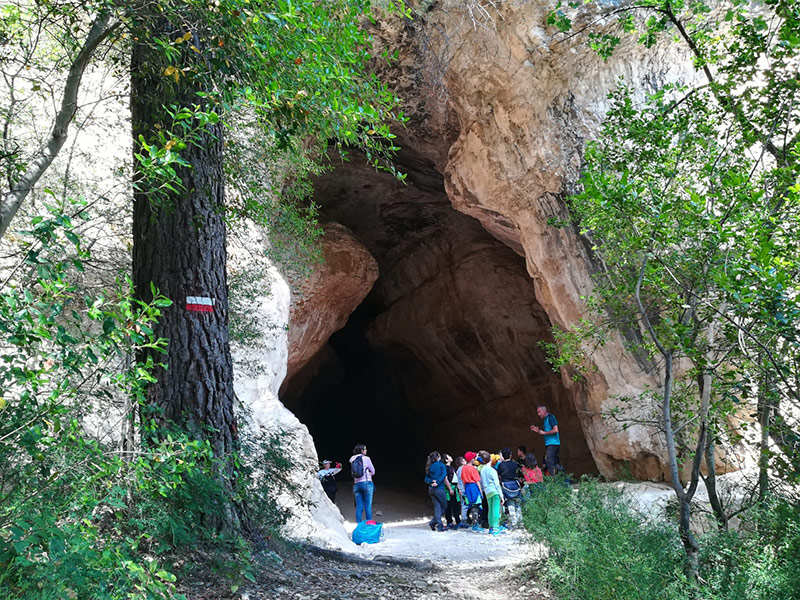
[
  {"x": 414, "y": 540},
  {"x": 407, "y": 535},
  {"x": 411, "y": 562}
]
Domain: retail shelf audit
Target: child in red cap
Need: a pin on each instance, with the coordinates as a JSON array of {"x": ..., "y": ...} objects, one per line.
[{"x": 472, "y": 482}]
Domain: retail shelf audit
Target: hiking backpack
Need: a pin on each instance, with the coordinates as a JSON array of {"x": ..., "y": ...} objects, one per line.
[{"x": 357, "y": 467}]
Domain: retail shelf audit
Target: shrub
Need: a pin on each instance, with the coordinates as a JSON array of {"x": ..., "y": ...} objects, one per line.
[
  {"x": 760, "y": 560},
  {"x": 66, "y": 360},
  {"x": 81, "y": 516},
  {"x": 599, "y": 547}
]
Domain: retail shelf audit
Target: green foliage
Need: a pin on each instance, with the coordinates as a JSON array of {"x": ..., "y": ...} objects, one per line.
[
  {"x": 64, "y": 356},
  {"x": 271, "y": 187},
  {"x": 81, "y": 516},
  {"x": 266, "y": 472},
  {"x": 690, "y": 197},
  {"x": 286, "y": 79},
  {"x": 159, "y": 162},
  {"x": 760, "y": 560},
  {"x": 569, "y": 348},
  {"x": 81, "y": 533},
  {"x": 603, "y": 44},
  {"x": 559, "y": 19},
  {"x": 601, "y": 548}
]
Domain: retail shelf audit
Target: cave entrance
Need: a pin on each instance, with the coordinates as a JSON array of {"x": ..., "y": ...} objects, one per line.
[{"x": 444, "y": 352}]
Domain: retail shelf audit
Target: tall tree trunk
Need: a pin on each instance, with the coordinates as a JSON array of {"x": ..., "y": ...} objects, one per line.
[
  {"x": 690, "y": 545},
  {"x": 179, "y": 246},
  {"x": 711, "y": 484}
]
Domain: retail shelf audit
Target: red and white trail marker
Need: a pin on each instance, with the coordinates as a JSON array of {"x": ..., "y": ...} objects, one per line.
[{"x": 199, "y": 304}]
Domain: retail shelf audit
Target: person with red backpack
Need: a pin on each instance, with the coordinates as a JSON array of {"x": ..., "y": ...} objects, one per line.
[{"x": 362, "y": 470}]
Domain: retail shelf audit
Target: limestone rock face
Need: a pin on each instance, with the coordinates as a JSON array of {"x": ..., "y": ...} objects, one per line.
[
  {"x": 260, "y": 368},
  {"x": 325, "y": 299},
  {"x": 512, "y": 105},
  {"x": 500, "y": 109},
  {"x": 445, "y": 351}
]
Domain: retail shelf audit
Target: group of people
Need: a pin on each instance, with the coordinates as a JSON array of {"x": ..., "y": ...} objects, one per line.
[
  {"x": 468, "y": 492},
  {"x": 471, "y": 492}
]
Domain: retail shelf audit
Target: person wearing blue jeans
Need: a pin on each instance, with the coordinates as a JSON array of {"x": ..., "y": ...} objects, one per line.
[
  {"x": 363, "y": 471},
  {"x": 552, "y": 441},
  {"x": 363, "y": 491}
]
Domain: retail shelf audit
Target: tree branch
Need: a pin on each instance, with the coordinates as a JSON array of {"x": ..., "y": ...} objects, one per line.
[{"x": 9, "y": 205}]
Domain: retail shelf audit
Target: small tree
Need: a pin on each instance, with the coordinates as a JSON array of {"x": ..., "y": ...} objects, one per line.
[{"x": 692, "y": 202}]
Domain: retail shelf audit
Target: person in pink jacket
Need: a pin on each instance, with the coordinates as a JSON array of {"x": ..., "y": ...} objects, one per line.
[{"x": 363, "y": 471}]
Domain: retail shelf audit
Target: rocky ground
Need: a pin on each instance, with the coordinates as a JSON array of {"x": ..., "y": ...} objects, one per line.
[
  {"x": 306, "y": 574},
  {"x": 410, "y": 562}
]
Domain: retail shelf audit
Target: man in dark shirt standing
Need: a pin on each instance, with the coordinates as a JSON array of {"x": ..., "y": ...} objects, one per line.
[
  {"x": 552, "y": 441},
  {"x": 510, "y": 475}
]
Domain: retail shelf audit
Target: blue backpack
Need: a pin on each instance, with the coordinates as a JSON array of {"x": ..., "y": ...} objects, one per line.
[
  {"x": 357, "y": 467},
  {"x": 368, "y": 533}
]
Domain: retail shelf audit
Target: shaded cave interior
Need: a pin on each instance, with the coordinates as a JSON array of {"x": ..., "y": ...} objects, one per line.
[{"x": 444, "y": 352}]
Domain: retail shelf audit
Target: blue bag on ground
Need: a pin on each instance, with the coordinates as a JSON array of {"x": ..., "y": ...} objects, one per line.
[{"x": 368, "y": 532}]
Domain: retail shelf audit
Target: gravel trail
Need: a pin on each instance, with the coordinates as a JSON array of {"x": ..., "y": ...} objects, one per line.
[{"x": 411, "y": 562}]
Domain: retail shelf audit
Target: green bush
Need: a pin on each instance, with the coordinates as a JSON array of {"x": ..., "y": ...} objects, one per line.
[
  {"x": 80, "y": 516},
  {"x": 65, "y": 494},
  {"x": 758, "y": 561},
  {"x": 601, "y": 548}
]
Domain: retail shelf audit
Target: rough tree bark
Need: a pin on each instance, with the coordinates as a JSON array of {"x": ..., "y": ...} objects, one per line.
[{"x": 179, "y": 246}]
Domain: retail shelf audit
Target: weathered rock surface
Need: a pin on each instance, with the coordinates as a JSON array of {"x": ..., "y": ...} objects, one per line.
[
  {"x": 500, "y": 110},
  {"x": 512, "y": 104},
  {"x": 260, "y": 368},
  {"x": 324, "y": 300}
]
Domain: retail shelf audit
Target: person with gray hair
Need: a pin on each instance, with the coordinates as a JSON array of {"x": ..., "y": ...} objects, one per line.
[{"x": 552, "y": 441}]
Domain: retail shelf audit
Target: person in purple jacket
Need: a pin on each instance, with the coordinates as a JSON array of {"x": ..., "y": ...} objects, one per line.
[{"x": 363, "y": 487}]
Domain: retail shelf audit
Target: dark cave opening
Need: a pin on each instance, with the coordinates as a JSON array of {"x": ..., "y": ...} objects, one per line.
[
  {"x": 354, "y": 394},
  {"x": 443, "y": 353}
]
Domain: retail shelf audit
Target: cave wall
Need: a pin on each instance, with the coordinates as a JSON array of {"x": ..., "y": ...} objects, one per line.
[
  {"x": 449, "y": 354},
  {"x": 500, "y": 111},
  {"x": 324, "y": 299},
  {"x": 260, "y": 362},
  {"x": 502, "y": 106}
]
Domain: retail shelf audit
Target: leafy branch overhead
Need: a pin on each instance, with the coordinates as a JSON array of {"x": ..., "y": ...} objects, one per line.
[{"x": 298, "y": 70}]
